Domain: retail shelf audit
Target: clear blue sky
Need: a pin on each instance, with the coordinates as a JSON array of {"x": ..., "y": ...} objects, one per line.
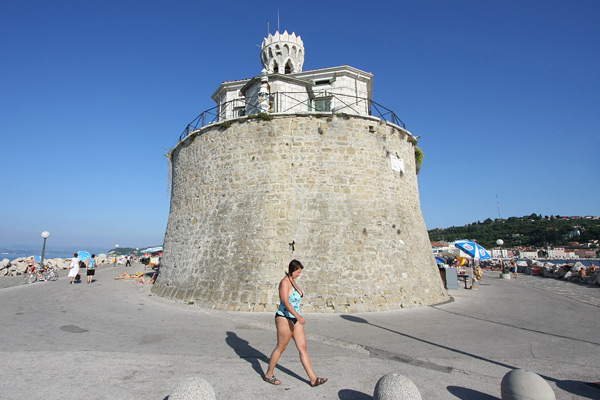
[{"x": 505, "y": 94}]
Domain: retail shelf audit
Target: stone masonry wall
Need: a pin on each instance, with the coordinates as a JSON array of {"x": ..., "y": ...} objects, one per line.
[{"x": 243, "y": 190}]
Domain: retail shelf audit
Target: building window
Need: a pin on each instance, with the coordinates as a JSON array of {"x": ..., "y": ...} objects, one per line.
[
  {"x": 239, "y": 111},
  {"x": 323, "y": 104}
]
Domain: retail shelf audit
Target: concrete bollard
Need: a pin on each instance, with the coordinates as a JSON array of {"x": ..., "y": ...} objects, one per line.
[
  {"x": 194, "y": 388},
  {"x": 520, "y": 384},
  {"x": 396, "y": 387},
  {"x": 505, "y": 276}
]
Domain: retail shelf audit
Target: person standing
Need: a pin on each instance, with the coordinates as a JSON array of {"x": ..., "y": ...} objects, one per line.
[
  {"x": 73, "y": 268},
  {"x": 290, "y": 324},
  {"x": 513, "y": 266},
  {"x": 128, "y": 263},
  {"x": 91, "y": 268}
]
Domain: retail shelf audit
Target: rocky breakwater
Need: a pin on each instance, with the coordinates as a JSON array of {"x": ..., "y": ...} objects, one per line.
[
  {"x": 18, "y": 266},
  {"x": 569, "y": 272}
]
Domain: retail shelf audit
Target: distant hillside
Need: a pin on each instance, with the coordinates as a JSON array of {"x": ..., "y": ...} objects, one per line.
[{"x": 530, "y": 231}]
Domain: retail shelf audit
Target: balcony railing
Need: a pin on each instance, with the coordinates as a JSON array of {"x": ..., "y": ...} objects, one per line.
[{"x": 296, "y": 103}]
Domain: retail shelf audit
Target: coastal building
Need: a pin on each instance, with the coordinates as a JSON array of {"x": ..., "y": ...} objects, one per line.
[
  {"x": 585, "y": 253},
  {"x": 528, "y": 253},
  {"x": 499, "y": 253},
  {"x": 556, "y": 253},
  {"x": 297, "y": 165}
]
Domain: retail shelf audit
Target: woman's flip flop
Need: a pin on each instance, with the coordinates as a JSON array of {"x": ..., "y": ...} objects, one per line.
[
  {"x": 272, "y": 380},
  {"x": 318, "y": 381}
]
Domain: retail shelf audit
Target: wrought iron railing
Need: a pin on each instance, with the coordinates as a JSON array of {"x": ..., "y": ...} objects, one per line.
[{"x": 293, "y": 102}]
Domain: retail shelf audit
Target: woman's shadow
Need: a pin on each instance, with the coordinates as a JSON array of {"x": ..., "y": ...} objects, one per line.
[{"x": 246, "y": 352}]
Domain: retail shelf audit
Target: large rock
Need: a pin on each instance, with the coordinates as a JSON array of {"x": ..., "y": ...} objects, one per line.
[
  {"x": 21, "y": 267},
  {"x": 396, "y": 387},
  {"x": 194, "y": 388}
]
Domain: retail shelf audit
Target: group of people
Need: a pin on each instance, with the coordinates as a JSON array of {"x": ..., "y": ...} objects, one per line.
[
  {"x": 77, "y": 265},
  {"x": 510, "y": 266}
]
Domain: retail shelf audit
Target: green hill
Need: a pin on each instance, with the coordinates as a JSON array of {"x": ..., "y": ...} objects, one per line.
[{"x": 530, "y": 231}]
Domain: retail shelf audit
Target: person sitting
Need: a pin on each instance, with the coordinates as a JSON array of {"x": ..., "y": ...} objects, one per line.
[
  {"x": 30, "y": 265},
  {"x": 143, "y": 281}
]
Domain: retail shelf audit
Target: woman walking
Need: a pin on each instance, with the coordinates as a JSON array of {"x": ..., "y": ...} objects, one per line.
[
  {"x": 91, "y": 268},
  {"x": 290, "y": 324},
  {"x": 73, "y": 268}
]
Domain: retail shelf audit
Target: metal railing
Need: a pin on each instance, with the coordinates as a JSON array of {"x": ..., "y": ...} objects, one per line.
[{"x": 293, "y": 102}]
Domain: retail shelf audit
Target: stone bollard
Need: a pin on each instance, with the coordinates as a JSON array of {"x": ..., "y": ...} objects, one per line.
[
  {"x": 504, "y": 276},
  {"x": 396, "y": 387},
  {"x": 194, "y": 388},
  {"x": 520, "y": 384}
]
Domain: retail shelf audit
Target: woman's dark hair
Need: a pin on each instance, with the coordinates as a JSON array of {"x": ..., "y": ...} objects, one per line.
[
  {"x": 93, "y": 255},
  {"x": 75, "y": 254},
  {"x": 294, "y": 266}
]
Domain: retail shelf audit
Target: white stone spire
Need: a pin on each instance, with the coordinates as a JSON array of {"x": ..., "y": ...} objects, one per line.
[{"x": 282, "y": 53}]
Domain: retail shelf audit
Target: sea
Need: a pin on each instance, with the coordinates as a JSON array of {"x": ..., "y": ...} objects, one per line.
[{"x": 17, "y": 253}]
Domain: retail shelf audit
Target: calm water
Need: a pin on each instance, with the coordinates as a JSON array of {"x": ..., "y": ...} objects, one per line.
[{"x": 48, "y": 254}]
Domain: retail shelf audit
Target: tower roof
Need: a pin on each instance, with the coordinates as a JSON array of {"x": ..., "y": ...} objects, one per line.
[{"x": 282, "y": 53}]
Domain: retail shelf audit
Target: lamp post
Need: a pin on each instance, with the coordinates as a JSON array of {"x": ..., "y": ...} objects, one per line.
[
  {"x": 116, "y": 253},
  {"x": 45, "y": 235},
  {"x": 500, "y": 242}
]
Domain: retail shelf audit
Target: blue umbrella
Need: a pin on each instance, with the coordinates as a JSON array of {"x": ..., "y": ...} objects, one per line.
[
  {"x": 84, "y": 255},
  {"x": 440, "y": 260},
  {"x": 473, "y": 249}
]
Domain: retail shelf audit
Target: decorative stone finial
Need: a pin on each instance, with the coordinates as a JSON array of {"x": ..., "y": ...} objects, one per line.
[
  {"x": 282, "y": 53},
  {"x": 263, "y": 92}
]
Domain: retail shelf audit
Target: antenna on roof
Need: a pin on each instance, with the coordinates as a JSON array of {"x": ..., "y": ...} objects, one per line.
[{"x": 498, "y": 203}]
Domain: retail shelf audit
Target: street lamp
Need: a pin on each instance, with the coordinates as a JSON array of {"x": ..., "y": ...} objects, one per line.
[
  {"x": 45, "y": 235},
  {"x": 116, "y": 253},
  {"x": 500, "y": 242}
]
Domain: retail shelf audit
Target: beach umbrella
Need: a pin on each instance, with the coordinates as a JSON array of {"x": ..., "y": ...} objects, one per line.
[
  {"x": 440, "y": 260},
  {"x": 84, "y": 255},
  {"x": 473, "y": 249}
]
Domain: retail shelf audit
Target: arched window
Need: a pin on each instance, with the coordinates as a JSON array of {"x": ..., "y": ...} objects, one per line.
[
  {"x": 275, "y": 66},
  {"x": 289, "y": 67}
]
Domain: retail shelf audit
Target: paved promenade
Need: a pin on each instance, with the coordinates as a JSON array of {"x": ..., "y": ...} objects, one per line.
[{"x": 114, "y": 340}]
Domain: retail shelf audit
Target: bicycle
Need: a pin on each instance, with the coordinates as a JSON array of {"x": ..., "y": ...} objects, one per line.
[{"x": 46, "y": 275}]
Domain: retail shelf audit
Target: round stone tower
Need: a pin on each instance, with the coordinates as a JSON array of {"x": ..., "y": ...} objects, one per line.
[{"x": 337, "y": 191}]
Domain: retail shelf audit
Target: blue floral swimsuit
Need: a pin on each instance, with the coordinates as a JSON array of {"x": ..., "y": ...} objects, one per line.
[{"x": 294, "y": 300}]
